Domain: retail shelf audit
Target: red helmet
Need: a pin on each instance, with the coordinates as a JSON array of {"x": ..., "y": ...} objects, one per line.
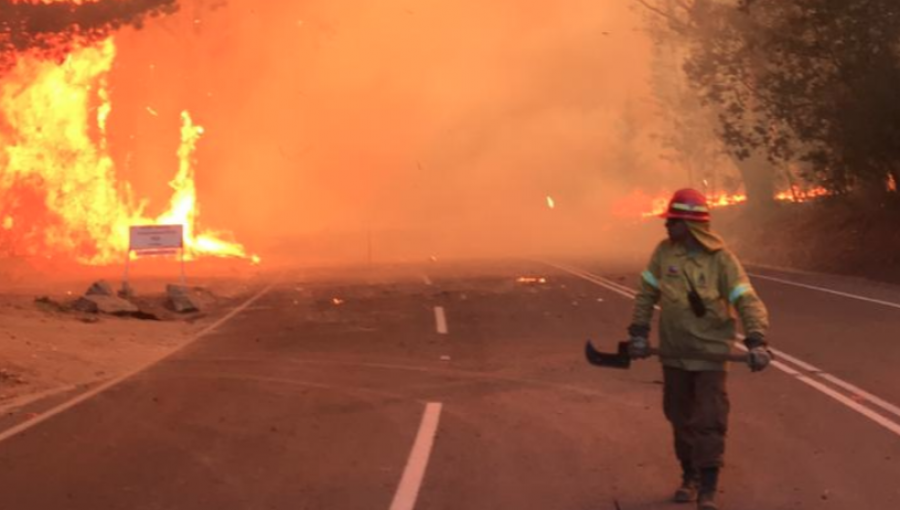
[{"x": 688, "y": 204}]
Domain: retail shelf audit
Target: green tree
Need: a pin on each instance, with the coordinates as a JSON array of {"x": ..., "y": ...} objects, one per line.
[
  {"x": 691, "y": 25},
  {"x": 688, "y": 135},
  {"x": 805, "y": 80}
]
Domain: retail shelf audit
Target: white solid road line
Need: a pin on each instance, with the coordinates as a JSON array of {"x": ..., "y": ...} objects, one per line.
[
  {"x": 615, "y": 287},
  {"x": 828, "y": 291},
  {"x": 854, "y": 390},
  {"x": 849, "y": 402},
  {"x": 427, "y": 280},
  {"x": 8, "y": 433},
  {"x": 414, "y": 473},
  {"x": 598, "y": 280},
  {"x": 440, "y": 319},
  {"x": 857, "y": 391},
  {"x": 862, "y": 394},
  {"x": 852, "y": 404}
]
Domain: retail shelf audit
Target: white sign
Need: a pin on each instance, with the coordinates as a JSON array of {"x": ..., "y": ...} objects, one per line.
[{"x": 156, "y": 238}]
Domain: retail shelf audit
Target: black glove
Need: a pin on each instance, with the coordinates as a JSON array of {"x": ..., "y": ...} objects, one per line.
[
  {"x": 638, "y": 343},
  {"x": 638, "y": 347},
  {"x": 641, "y": 330},
  {"x": 759, "y": 354},
  {"x": 754, "y": 340}
]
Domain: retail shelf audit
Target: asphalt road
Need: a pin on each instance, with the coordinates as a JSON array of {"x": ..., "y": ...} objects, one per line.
[{"x": 458, "y": 387}]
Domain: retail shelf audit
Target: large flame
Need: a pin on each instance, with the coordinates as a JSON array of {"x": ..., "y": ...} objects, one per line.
[{"x": 58, "y": 189}]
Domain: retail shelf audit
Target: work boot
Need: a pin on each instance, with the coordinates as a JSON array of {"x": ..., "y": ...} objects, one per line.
[
  {"x": 690, "y": 482},
  {"x": 709, "y": 486},
  {"x": 707, "y": 501}
]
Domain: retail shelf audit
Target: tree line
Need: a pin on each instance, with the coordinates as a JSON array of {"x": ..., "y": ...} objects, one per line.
[{"x": 794, "y": 89}]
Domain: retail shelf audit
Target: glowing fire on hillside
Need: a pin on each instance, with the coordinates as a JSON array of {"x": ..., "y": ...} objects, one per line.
[
  {"x": 59, "y": 195},
  {"x": 641, "y": 205}
]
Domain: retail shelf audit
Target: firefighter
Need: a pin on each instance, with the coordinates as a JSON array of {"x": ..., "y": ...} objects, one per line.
[{"x": 699, "y": 285}]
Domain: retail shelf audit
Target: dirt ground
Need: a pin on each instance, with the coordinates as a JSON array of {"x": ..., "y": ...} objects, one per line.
[{"x": 47, "y": 348}]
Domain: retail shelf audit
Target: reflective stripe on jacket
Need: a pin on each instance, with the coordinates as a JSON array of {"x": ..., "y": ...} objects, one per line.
[{"x": 721, "y": 282}]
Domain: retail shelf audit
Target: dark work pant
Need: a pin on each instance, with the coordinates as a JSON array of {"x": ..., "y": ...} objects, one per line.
[{"x": 696, "y": 404}]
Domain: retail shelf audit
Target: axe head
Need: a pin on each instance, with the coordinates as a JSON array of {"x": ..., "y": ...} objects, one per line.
[{"x": 619, "y": 360}]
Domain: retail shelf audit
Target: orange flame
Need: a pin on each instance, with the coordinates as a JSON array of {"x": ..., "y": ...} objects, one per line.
[
  {"x": 58, "y": 189},
  {"x": 659, "y": 205},
  {"x": 797, "y": 194}
]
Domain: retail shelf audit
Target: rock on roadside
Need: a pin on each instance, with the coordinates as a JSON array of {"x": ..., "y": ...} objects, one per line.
[
  {"x": 182, "y": 299},
  {"x": 110, "y": 305}
]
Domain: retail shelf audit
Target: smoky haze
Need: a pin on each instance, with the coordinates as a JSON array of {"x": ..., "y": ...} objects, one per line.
[{"x": 439, "y": 127}]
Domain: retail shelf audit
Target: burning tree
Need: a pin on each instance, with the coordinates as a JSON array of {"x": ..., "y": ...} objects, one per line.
[
  {"x": 58, "y": 188},
  {"x": 53, "y": 30}
]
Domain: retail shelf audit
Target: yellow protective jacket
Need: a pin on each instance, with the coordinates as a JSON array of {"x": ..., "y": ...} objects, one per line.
[{"x": 724, "y": 287}]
